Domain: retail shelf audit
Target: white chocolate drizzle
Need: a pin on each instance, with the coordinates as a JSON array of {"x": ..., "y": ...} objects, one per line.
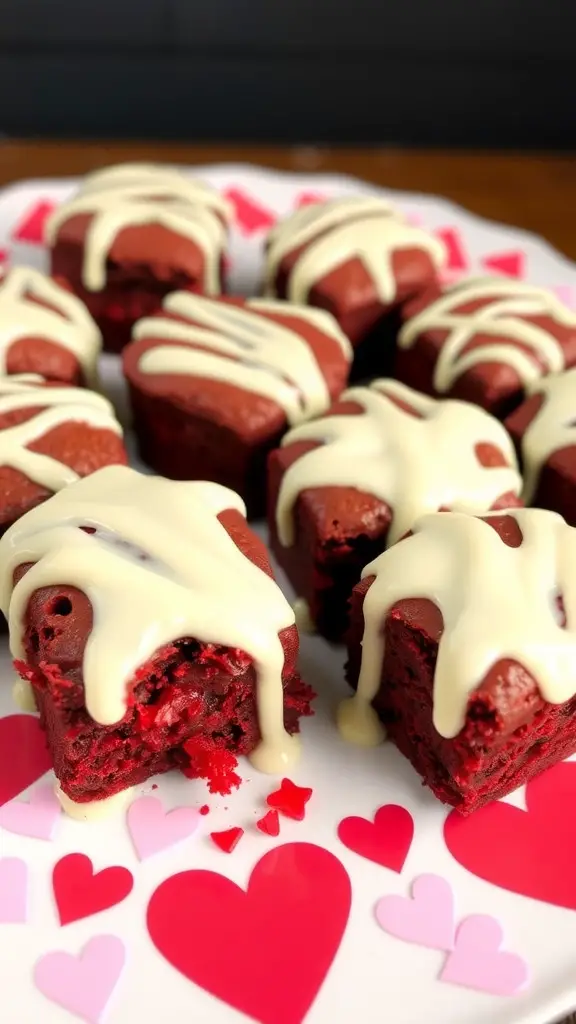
[
  {"x": 502, "y": 315},
  {"x": 67, "y": 323},
  {"x": 159, "y": 567},
  {"x": 131, "y": 195},
  {"x": 56, "y": 405},
  {"x": 342, "y": 229},
  {"x": 496, "y": 602},
  {"x": 239, "y": 346},
  {"x": 414, "y": 463},
  {"x": 553, "y": 427}
]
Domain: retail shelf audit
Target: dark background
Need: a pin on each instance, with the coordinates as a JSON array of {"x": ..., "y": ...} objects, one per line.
[{"x": 421, "y": 72}]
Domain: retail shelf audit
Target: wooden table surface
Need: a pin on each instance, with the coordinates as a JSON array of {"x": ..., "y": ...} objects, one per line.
[{"x": 533, "y": 191}]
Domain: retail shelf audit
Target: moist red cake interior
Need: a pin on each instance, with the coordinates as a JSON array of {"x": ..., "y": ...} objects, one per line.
[
  {"x": 192, "y": 706},
  {"x": 510, "y": 734}
]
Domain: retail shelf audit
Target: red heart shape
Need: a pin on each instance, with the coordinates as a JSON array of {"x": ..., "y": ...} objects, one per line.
[
  {"x": 80, "y": 892},
  {"x": 527, "y": 852},
  {"x": 386, "y": 840},
  {"x": 24, "y": 756},
  {"x": 264, "y": 951}
]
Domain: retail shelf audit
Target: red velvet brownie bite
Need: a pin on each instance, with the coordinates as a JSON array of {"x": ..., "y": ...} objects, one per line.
[
  {"x": 144, "y": 614},
  {"x": 462, "y": 646},
  {"x": 132, "y": 234},
  {"x": 50, "y": 436},
  {"x": 358, "y": 258},
  {"x": 543, "y": 429},
  {"x": 46, "y": 330},
  {"x": 485, "y": 340},
  {"x": 343, "y": 487},
  {"x": 215, "y": 383}
]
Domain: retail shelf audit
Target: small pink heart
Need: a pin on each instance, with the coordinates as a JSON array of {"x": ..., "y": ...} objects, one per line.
[
  {"x": 477, "y": 961},
  {"x": 35, "y": 817},
  {"x": 82, "y": 984},
  {"x": 152, "y": 829},
  {"x": 427, "y": 919},
  {"x": 13, "y": 891}
]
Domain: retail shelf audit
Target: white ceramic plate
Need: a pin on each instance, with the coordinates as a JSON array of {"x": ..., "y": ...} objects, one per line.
[{"x": 374, "y": 977}]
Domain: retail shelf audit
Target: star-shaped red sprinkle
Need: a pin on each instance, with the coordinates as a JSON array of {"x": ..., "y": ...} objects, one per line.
[
  {"x": 269, "y": 824},
  {"x": 290, "y": 800},
  {"x": 227, "y": 840}
]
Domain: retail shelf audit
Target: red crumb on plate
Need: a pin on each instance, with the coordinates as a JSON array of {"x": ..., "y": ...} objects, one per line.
[{"x": 204, "y": 809}]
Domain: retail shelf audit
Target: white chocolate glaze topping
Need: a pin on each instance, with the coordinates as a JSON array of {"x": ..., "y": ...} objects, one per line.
[
  {"x": 553, "y": 427},
  {"x": 56, "y": 405},
  {"x": 239, "y": 346},
  {"x": 505, "y": 305},
  {"x": 131, "y": 195},
  {"x": 67, "y": 323},
  {"x": 159, "y": 567},
  {"x": 338, "y": 230},
  {"x": 414, "y": 463}
]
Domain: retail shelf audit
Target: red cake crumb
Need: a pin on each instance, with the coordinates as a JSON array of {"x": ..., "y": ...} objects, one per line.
[
  {"x": 269, "y": 824},
  {"x": 204, "y": 809},
  {"x": 290, "y": 800},
  {"x": 209, "y": 762},
  {"x": 228, "y": 840}
]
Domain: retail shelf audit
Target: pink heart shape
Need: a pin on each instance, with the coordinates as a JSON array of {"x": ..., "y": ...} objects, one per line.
[
  {"x": 152, "y": 829},
  {"x": 477, "y": 961},
  {"x": 35, "y": 817},
  {"x": 82, "y": 984},
  {"x": 427, "y": 919},
  {"x": 13, "y": 891}
]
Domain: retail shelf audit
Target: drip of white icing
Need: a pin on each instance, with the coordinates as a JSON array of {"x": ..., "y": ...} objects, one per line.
[
  {"x": 339, "y": 230},
  {"x": 415, "y": 464},
  {"x": 506, "y": 303},
  {"x": 131, "y": 195},
  {"x": 57, "y": 405},
  {"x": 67, "y": 323},
  {"x": 93, "y": 810},
  {"x": 304, "y": 620},
  {"x": 23, "y": 696},
  {"x": 553, "y": 427},
  {"x": 159, "y": 567},
  {"x": 268, "y": 358},
  {"x": 496, "y": 602}
]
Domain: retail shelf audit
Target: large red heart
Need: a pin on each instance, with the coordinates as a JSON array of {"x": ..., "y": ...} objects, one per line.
[
  {"x": 265, "y": 951},
  {"x": 24, "y": 757},
  {"x": 386, "y": 840},
  {"x": 528, "y": 852},
  {"x": 80, "y": 892}
]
